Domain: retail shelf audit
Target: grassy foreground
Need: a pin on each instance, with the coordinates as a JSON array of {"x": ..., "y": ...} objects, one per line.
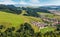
[
  {"x": 9, "y": 20},
  {"x": 12, "y": 19}
]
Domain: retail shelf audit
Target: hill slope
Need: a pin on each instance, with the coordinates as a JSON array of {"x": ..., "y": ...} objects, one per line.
[
  {"x": 15, "y": 20},
  {"x": 10, "y": 18}
]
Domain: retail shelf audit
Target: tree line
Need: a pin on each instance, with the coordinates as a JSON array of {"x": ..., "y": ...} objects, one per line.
[
  {"x": 10, "y": 9},
  {"x": 18, "y": 10},
  {"x": 25, "y": 30}
]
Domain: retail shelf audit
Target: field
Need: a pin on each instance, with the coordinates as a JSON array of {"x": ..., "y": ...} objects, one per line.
[
  {"x": 12, "y": 19},
  {"x": 9, "y": 20},
  {"x": 15, "y": 20},
  {"x": 47, "y": 29}
]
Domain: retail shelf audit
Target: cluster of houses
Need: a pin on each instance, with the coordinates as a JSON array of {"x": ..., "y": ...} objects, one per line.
[
  {"x": 39, "y": 24},
  {"x": 43, "y": 25},
  {"x": 53, "y": 20}
]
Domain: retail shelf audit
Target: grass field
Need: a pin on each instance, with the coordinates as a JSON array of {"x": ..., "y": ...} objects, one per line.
[
  {"x": 15, "y": 20},
  {"x": 49, "y": 15},
  {"x": 9, "y": 19},
  {"x": 47, "y": 29}
]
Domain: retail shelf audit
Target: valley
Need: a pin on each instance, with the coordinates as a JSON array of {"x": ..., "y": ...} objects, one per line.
[{"x": 29, "y": 21}]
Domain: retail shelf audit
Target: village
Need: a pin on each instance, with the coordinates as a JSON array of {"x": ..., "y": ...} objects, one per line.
[{"x": 50, "y": 22}]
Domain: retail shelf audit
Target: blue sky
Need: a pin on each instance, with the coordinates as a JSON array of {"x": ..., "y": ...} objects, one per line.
[{"x": 31, "y": 2}]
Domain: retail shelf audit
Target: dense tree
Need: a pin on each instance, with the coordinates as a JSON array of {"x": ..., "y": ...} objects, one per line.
[
  {"x": 1, "y": 26},
  {"x": 38, "y": 34},
  {"x": 25, "y": 30},
  {"x": 58, "y": 27}
]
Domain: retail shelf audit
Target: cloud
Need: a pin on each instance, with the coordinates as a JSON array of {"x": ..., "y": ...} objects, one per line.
[
  {"x": 7, "y": 2},
  {"x": 35, "y": 1},
  {"x": 31, "y": 2},
  {"x": 1, "y": 0},
  {"x": 22, "y": 2},
  {"x": 50, "y": 2}
]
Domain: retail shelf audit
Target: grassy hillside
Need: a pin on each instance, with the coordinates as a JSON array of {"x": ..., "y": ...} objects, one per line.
[
  {"x": 15, "y": 20},
  {"x": 28, "y": 22},
  {"x": 12, "y": 19}
]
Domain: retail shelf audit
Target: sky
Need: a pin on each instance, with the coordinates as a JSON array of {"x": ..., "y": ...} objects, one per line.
[{"x": 31, "y": 2}]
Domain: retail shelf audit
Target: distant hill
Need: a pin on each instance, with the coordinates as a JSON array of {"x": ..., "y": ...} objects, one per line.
[
  {"x": 52, "y": 7},
  {"x": 17, "y": 10},
  {"x": 10, "y": 8},
  {"x": 31, "y": 11}
]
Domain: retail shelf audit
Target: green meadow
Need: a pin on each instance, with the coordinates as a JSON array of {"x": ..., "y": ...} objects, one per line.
[
  {"x": 9, "y": 20},
  {"x": 12, "y": 19},
  {"x": 15, "y": 20}
]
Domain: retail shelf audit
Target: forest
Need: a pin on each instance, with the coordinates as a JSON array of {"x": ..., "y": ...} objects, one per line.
[{"x": 25, "y": 30}]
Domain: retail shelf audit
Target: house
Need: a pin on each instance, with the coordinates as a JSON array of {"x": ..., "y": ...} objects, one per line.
[{"x": 39, "y": 24}]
